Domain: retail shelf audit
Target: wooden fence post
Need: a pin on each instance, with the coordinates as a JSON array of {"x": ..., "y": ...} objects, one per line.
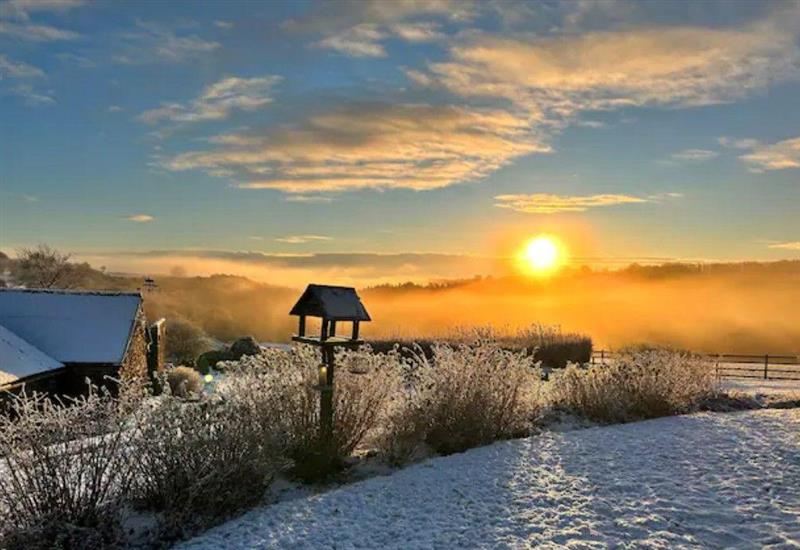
[{"x": 766, "y": 365}]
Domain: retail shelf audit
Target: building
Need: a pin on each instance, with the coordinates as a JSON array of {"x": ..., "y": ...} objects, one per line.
[{"x": 54, "y": 340}]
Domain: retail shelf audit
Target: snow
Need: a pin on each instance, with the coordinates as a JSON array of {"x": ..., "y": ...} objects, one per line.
[
  {"x": 705, "y": 480},
  {"x": 763, "y": 387},
  {"x": 19, "y": 359},
  {"x": 71, "y": 327}
]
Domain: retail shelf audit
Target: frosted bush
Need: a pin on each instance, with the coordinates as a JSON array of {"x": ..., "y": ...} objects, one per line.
[
  {"x": 636, "y": 385},
  {"x": 65, "y": 471},
  {"x": 365, "y": 385},
  {"x": 467, "y": 395},
  {"x": 202, "y": 460},
  {"x": 184, "y": 381}
]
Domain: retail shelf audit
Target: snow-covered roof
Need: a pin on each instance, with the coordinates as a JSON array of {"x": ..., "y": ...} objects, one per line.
[
  {"x": 72, "y": 327},
  {"x": 338, "y": 303},
  {"x": 19, "y": 359}
]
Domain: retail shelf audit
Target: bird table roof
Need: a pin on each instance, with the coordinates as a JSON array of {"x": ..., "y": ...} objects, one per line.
[{"x": 336, "y": 303}]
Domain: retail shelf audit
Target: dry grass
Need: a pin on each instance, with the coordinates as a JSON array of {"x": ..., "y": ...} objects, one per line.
[
  {"x": 184, "y": 382},
  {"x": 465, "y": 396},
  {"x": 365, "y": 384},
  {"x": 66, "y": 471},
  {"x": 201, "y": 461},
  {"x": 637, "y": 385}
]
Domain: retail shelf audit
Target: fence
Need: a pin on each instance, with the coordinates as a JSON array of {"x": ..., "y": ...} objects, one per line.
[{"x": 731, "y": 365}]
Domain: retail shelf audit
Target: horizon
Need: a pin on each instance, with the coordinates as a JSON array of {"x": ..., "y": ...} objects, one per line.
[{"x": 444, "y": 135}]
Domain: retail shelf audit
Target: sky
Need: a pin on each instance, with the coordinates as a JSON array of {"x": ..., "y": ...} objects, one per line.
[{"x": 402, "y": 139}]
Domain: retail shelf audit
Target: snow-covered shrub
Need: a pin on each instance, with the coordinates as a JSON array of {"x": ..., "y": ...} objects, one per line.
[
  {"x": 184, "y": 381},
  {"x": 202, "y": 460},
  {"x": 636, "y": 385},
  {"x": 365, "y": 384},
  {"x": 64, "y": 471},
  {"x": 464, "y": 396}
]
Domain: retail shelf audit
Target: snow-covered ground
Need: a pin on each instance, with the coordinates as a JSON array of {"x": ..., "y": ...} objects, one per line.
[
  {"x": 753, "y": 386},
  {"x": 706, "y": 480}
]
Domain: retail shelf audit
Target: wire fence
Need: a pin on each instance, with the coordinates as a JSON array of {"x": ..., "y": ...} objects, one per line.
[{"x": 734, "y": 365}]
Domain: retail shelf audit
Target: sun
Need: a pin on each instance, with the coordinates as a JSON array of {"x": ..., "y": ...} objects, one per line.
[{"x": 541, "y": 255}]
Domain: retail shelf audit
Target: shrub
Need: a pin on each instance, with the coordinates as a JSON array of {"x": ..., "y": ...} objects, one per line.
[
  {"x": 636, "y": 385},
  {"x": 185, "y": 341},
  {"x": 184, "y": 382},
  {"x": 202, "y": 461},
  {"x": 66, "y": 470},
  {"x": 465, "y": 396},
  {"x": 364, "y": 386}
]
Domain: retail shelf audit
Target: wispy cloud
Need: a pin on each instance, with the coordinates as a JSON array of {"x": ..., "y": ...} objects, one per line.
[
  {"x": 15, "y": 20},
  {"x": 31, "y": 96},
  {"x": 563, "y": 75},
  {"x": 371, "y": 145},
  {"x": 217, "y": 101},
  {"x": 786, "y": 246},
  {"x": 17, "y": 69},
  {"x": 694, "y": 155},
  {"x": 544, "y": 203},
  {"x": 302, "y": 239},
  {"x": 140, "y": 218},
  {"x": 115, "y": 109},
  {"x": 152, "y": 42},
  {"x": 359, "y": 41},
  {"x": 774, "y": 156},
  {"x": 360, "y": 28}
]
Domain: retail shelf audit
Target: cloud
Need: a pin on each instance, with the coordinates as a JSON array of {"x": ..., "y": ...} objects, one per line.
[
  {"x": 220, "y": 24},
  {"x": 544, "y": 203},
  {"x": 151, "y": 42},
  {"x": 140, "y": 218},
  {"x": 733, "y": 143},
  {"x": 559, "y": 76},
  {"x": 359, "y": 41},
  {"x": 786, "y": 246},
  {"x": 15, "y": 21},
  {"x": 77, "y": 60},
  {"x": 359, "y": 28},
  {"x": 31, "y": 96},
  {"x": 288, "y": 269},
  {"x": 308, "y": 198},
  {"x": 21, "y": 9},
  {"x": 302, "y": 239},
  {"x": 371, "y": 145},
  {"x": 17, "y": 69},
  {"x": 217, "y": 101},
  {"x": 776, "y": 156},
  {"x": 694, "y": 155},
  {"x": 115, "y": 109}
]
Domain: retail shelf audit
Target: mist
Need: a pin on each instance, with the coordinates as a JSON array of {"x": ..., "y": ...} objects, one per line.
[{"x": 732, "y": 308}]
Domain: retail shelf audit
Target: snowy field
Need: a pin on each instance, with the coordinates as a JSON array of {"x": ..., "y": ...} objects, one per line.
[
  {"x": 752, "y": 386},
  {"x": 706, "y": 480}
]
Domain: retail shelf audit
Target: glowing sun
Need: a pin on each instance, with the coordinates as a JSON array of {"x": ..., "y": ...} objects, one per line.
[{"x": 541, "y": 255}]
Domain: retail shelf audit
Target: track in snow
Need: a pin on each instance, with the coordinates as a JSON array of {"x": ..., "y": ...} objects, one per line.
[{"x": 706, "y": 480}]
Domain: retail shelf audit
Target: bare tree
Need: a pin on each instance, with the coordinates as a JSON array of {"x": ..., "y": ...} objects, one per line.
[{"x": 45, "y": 267}]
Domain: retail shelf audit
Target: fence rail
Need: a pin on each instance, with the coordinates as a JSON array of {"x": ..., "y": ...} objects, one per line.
[{"x": 737, "y": 365}]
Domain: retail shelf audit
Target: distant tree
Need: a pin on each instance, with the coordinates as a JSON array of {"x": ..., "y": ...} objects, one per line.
[
  {"x": 185, "y": 341},
  {"x": 45, "y": 267}
]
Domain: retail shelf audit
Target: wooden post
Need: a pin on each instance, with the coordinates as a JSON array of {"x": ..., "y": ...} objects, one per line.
[
  {"x": 324, "y": 330},
  {"x": 355, "y": 330},
  {"x": 332, "y": 332},
  {"x": 602, "y": 357},
  {"x": 301, "y": 329},
  {"x": 326, "y": 398},
  {"x": 766, "y": 365}
]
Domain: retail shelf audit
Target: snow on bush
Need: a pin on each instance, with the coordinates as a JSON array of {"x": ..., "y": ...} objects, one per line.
[
  {"x": 637, "y": 385},
  {"x": 466, "y": 395},
  {"x": 184, "y": 381},
  {"x": 365, "y": 384},
  {"x": 65, "y": 471},
  {"x": 204, "y": 459}
]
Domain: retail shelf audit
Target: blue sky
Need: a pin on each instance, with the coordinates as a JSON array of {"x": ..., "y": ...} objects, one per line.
[{"x": 151, "y": 134}]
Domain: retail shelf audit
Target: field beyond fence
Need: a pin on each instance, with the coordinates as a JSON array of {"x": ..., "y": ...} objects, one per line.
[{"x": 733, "y": 365}]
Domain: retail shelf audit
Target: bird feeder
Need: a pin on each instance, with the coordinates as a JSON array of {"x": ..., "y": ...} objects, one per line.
[{"x": 334, "y": 305}]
